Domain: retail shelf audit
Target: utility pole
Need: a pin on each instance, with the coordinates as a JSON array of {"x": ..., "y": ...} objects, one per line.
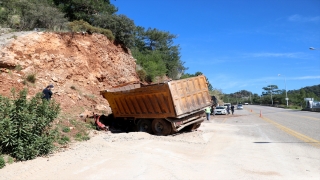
[
  {"x": 285, "y": 84},
  {"x": 271, "y": 95}
]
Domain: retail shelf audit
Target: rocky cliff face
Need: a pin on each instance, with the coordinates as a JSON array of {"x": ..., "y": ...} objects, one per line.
[{"x": 78, "y": 65}]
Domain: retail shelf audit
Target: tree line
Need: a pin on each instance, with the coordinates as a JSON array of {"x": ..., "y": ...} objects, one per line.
[
  {"x": 296, "y": 97},
  {"x": 154, "y": 49}
]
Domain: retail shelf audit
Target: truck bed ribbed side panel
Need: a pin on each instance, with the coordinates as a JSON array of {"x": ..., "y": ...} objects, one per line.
[
  {"x": 174, "y": 99},
  {"x": 146, "y": 102},
  {"x": 190, "y": 94}
]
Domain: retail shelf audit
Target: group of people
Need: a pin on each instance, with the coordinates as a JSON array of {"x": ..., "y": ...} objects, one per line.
[
  {"x": 210, "y": 110},
  {"x": 232, "y": 109}
]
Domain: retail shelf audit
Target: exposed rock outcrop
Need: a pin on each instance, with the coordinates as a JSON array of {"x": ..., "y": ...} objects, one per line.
[{"x": 78, "y": 65}]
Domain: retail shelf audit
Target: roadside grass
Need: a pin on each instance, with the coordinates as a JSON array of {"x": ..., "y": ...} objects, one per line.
[
  {"x": 10, "y": 159},
  {"x": 70, "y": 129},
  {"x": 31, "y": 78},
  {"x": 294, "y": 107},
  {"x": 2, "y": 162},
  {"x": 5, "y": 159},
  {"x": 14, "y": 37},
  {"x": 18, "y": 68}
]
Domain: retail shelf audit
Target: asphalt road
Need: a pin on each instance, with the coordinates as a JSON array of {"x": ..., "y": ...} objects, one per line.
[
  {"x": 289, "y": 139},
  {"x": 285, "y": 125}
]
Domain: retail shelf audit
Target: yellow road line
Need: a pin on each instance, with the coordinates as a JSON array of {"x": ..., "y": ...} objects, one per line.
[
  {"x": 300, "y": 136},
  {"x": 224, "y": 120}
]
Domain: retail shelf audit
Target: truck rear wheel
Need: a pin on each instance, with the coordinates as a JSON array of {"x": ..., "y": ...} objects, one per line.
[
  {"x": 144, "y": 125},
  {"x": 161, "y": 127}
]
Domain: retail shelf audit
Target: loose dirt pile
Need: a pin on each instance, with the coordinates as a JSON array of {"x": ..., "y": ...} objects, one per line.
[{"x": 78, "y": 65}]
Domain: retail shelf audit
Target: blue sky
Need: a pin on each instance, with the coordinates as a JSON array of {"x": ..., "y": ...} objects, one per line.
[{"x": 239, "y": 44}]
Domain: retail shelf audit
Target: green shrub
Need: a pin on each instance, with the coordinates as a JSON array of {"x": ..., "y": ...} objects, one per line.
[
  {"x": 83, "y": 26},
  {"x": 18, "y": 68},
  {"x": 10, "y": 73},
  {"x": 14, "y": 37},
  {"x": 31, "y": 78},
  {"x": 64, "y": 140},
  {"x": 2, "y": 162},
  {"x": 91, "y": 125},
  {"x": 82, "y": 136},
  {"x": 27, "y": 15},
  {"x": 73, "y": 87},
  {"x": 142, "y": 74},
  {"x": 25, "y": 125},
  {"x": 151, "y": 62},
  {"x": 121, "y": 27},
  {"x": 66, "y": 129},
  {"x": 10, "y": 160}
]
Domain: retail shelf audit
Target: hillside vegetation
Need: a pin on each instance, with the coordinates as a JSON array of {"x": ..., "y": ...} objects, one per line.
[{"x": 155, "y": 51}]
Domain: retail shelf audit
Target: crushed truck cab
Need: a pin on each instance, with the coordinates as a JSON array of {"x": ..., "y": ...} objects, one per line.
[{"x": 163, "y": 108}]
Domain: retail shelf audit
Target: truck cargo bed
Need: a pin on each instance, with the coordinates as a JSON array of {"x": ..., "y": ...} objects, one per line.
[{"x": 175, "y": 99}]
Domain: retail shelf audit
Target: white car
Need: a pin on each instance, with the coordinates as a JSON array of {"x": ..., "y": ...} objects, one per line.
[
  {"x": 240, "y": 106},
  {"x": 246, "y": 103},
  {"x": 220, "y": 110}
]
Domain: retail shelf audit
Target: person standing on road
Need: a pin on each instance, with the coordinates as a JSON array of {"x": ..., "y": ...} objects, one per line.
[
  {"x": 208, "y": 111},
  {"x": 228, "y": 109},
  {"x": 232, "y": 109},
  {"x": 212, "y": 110},
  {"x": 47, "y": 93}
]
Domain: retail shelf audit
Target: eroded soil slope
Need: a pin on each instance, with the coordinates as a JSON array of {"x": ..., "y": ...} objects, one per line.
[{"x": 78, "y": 65}]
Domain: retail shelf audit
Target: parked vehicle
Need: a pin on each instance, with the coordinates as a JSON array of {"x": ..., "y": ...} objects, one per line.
[
  {"x": 246, "y": 103},
  {"x": 163, "y": 108},
  {"x": 220, "y": 110},
  {"x": 226, "y": 105},
  {"x": 240, "y": 107}
]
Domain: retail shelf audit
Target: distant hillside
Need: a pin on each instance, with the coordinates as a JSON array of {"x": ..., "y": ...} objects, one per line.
[
  {"x": 242, "y": 93},
  {"x": 309, "y": 89}
]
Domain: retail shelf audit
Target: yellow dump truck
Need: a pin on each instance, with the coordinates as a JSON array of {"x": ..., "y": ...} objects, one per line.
[{"x": 163, "y": 108}]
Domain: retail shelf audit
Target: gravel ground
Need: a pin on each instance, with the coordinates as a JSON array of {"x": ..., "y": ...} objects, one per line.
[{"x": 222, "y": 148}]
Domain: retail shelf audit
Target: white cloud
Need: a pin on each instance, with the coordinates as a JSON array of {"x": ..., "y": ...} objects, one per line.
[{"x": 298, "y": 18}]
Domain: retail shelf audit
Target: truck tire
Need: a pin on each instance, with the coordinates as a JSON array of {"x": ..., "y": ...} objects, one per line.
[
  {"x": 144, "y": 125},
  {"x": 161, "y": 127},
  {"x": 193, "y": 127}
]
